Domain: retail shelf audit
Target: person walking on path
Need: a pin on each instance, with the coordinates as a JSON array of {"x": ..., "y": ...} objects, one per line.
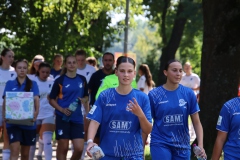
[
  {"x": 124, "y": 113},
  {"x": 69, "y": 91},
  {"x": 171, "y": 104}
]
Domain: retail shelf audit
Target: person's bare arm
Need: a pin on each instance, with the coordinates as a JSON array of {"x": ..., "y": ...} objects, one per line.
[
  {"x": 199, "y": 132},
  {"x": 218, "y": 146}
]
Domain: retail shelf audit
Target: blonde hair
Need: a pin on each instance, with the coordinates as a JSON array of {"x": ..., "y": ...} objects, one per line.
[
  {"x": 38, "y": 57},
  {"x": 92, "y": 61}
]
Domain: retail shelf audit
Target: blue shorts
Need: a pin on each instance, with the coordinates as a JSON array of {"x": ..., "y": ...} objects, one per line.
[
  {"x": 169, "y": 153},
  {"x": 68, "y": 130},
  {"x": 26, "y": 137},
  {"x": 122, "y": 158}
]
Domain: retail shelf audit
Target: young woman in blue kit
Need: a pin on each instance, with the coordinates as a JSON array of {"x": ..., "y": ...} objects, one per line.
[
  {"x": 21, "y": 134},
  {"x": 68, "y": 88},
  {"x": 124, "y": 113},
  {"x": 171, "y": 104},
  {"x": 228, "y": 126}
]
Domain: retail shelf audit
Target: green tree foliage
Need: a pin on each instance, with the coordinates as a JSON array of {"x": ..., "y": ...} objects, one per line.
[
  {"x": 147, "y": 40},
  {"x": 180, "y": 29},
  {"x": 143, "y": 41},
  {"x": 58, "y": 26}
]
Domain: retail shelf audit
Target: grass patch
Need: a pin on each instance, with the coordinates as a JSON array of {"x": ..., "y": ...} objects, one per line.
[{"x": 147, "y": 153}]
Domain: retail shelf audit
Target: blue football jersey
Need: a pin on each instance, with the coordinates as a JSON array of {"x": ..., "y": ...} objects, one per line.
[
  {"x": 229, "y": 121},
  {"x": 13, "y": 86},
  {"x": 170, "y": 111},
  {"x": 120, "y": 134},
  {"x": 66, "y": 90}
]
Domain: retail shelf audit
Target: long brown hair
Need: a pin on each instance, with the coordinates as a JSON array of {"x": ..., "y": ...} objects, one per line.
[
  {"x": 28, "y": 81},
  {"x": 64, "y": 70},
  {"x": 146, "y": 71}
]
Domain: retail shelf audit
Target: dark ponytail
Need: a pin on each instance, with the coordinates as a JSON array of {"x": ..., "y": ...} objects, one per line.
[{"x": 28, "y": 85}]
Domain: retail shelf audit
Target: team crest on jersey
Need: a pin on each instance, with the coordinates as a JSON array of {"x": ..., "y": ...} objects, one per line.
[
  {"x": 87, "y": 73},
  {"x": 182, "y": 103},
  {"x": 49, "y": 85},
  {"x": 12, "y": 75},
  {"x": 80, "y": 85},
  {"x": 60, "y": 132}
]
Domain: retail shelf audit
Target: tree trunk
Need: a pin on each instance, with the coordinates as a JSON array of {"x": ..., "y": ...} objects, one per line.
[
  {"x": 169, "y": 51},
  {"x": 220, "y": 65}
]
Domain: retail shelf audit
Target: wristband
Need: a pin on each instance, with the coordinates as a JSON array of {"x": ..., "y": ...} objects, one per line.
[{"x": 90, "y": 140}]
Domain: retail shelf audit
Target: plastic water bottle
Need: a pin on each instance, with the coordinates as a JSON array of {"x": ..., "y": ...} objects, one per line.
[
  {"x": 96, "y": 153},
  {"x": 72, "y": 107},
  {"x": 197, "y": 151}
]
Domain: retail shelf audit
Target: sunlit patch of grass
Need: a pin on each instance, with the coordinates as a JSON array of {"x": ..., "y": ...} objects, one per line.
[{"x": 147, "y": 153}]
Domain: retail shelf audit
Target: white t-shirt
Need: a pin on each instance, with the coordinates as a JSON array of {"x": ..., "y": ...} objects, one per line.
[
  {"x": 142, "y": 84},
  {"x": 191, "y": 81},
  {"x": 87, "y": 71},
  {"x": 33, "y": 76},
  {"x": 45, "y": 109},
  {"x": 6, "y": 75}
]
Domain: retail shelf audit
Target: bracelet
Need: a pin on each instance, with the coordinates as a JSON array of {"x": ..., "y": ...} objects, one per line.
[{"x": 89, "y": 141}]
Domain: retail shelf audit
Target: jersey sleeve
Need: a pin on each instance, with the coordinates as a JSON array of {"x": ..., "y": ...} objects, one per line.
[
  {"x": 197, "y": 81},
  {"x": 141, "y": 82},
  {"x": 224, "y": 120},
  {"x": 151, "y": 105},
  {"x": 6, "y": 89},
  {"x": 146, "y": 108},
  {"x": 194, "y": 107},
  {"x": 96, "y": 111},
  {"x": 35, "y": 89},
  {"x": 55, "y": 89}
]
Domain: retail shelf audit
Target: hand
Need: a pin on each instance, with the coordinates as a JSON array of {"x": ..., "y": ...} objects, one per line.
[
  {"x": 133, "y": 107},
  {"x": 5, "y": 120},
  {"x": 83, "y": 100},
  {"x": 66, "y": 111},
  {"x": 35, "y": 116},
  {"x": 89, "y": 146},
  {"x": 202, "y": 154}
]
